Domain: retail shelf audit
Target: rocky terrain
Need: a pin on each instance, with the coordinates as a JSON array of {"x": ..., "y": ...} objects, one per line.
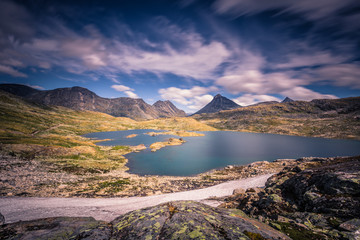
[
  {"x": 175, "y": 220},
  {"x": 328, "y": 118},
  {"x": 79, "y": 98},
  {"x": 218, "y": 103},
  {"x": 319, "y": 198},
  {"x": 310, "y": 198}
]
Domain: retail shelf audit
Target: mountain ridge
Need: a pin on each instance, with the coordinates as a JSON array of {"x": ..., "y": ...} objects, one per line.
[{"x": 79, "y": 98}]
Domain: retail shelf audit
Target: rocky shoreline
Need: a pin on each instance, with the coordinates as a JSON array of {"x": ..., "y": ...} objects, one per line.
[{"x": 21, "y": 176}]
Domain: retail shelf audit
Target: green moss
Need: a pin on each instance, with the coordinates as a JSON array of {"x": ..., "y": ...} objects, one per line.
[
  {"x": 196, "y": 234},
  {"x": 118, "y": 147},
  {"x": 296, "y": 232},
  {"x": 114, "y": 186},
  {"x": 254, "y": 236}
]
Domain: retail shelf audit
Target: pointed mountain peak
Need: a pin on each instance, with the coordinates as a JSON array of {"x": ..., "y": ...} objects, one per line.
[
  {"x": 287, "y": 99},
  {"x": 218, "y": 103}
]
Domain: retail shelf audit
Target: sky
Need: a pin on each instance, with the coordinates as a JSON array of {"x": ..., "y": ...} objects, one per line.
[{"x": 185, "y": 51}]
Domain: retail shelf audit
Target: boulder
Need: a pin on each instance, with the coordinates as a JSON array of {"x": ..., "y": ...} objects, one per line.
[
  {"x": 188, "y": 220},
  {"x": 239, "y": 191}
]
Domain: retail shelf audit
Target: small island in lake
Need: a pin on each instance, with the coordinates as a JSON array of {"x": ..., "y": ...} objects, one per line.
[
  {"x": 177, "y": 133},
  {"x": 170, "y": 142},
  {"x": 131, "y": 136}
]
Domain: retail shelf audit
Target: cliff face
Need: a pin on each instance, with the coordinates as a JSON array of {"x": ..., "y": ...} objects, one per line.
[
  {"x": 79, "y": 98},
  {"x": 218, "y": 103},
  {"x": 168, "y": 109}
]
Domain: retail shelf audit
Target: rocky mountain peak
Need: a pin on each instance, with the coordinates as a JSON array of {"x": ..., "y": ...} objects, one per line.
[
  {"x": 287, "y": 99},
  {"x": 218, "y": 103},
  {"x": 168, "y": 109}
]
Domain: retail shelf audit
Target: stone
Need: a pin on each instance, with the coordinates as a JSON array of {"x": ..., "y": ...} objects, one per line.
[
  {"x": 254, "y": 190},
  {"x": 351, "y": 225},
  {"x": 239, "y": 191},
  {"x": 57, "y": 228},
  {"x": 2, "y": 219}
]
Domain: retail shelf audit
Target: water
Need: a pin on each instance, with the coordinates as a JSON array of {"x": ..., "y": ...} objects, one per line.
[{"x": 219, "y": 149}]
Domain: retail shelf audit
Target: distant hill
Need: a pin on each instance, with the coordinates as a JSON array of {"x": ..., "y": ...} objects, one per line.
[
  {"x": 168, "y": 109},
  {"x": 79, "y": 98},
  {"x": 331, "y": 118},
  {"x": 218, "y": 103}
]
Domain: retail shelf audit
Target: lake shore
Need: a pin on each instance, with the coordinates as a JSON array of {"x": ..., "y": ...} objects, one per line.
[{"x": 35, "y": 178}]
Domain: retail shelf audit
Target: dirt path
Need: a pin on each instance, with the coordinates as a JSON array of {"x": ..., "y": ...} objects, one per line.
[{"x": 22, "y": 208}]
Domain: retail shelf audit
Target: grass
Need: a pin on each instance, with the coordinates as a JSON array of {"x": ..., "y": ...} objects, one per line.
[{"x": 53, "y": 134}]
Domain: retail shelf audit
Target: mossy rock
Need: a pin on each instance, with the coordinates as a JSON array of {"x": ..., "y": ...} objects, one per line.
[{"x": 190, "y": 220}]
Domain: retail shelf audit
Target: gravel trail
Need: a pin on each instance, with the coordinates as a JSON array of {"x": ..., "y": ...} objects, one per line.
[{"x": 29, "y": 208}]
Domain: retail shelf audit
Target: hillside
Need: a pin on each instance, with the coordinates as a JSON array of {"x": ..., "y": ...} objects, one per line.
[
  {"x": 218, "y": 103},
  {"x": 330, "y": 118},
  {"x": 79, "y": 98}
]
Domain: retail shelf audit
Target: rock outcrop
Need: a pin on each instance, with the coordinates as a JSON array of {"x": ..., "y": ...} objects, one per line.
[{"x": 319, "y": 196}]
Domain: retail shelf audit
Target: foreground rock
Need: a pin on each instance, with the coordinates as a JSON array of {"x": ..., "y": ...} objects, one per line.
[
  {"x": 317, "y": 199},
  {"x": 176, "y": 220},
  {"x": 57, "y": 228}
]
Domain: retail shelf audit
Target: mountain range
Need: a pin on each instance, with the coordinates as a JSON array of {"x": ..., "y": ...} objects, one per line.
[{"x": 79, "y": 98}]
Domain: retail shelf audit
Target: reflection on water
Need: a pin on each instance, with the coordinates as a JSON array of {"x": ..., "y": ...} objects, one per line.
[{"x": 219, "y": 149}]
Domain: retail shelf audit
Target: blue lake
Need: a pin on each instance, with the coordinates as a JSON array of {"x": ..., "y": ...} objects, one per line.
[{"x": 219, "y": 149}]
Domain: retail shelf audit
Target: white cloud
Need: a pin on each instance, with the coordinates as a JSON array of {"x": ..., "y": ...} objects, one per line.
[
  {"x": 121, "y": 88},
  {"x": 131, "y": 94},
  {"x": 249, "y": 99},
  {"x": 36, "y": 86},
  {"x": 125, "y": 89},
  {"x": 11, "y": 71},
  {"x": 193, "y": 98}
]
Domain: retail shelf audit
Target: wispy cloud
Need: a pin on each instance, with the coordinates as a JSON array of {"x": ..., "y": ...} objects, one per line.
[
  {"x": 309, "y": 8},
  {"x": 11, "y": 71}
]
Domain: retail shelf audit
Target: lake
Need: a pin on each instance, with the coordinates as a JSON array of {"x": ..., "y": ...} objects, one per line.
[{"x": 219, "y": 149}]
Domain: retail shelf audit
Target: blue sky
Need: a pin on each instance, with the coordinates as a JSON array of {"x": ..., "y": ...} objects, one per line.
[{"x": 185, "y": 51}]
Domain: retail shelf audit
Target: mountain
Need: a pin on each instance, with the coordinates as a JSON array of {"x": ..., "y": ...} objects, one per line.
[
  {"x": 79, "y": 98},
  {"x": 218, "y": 103},
  {"x": 330, "y": 118},
  {"x": 168, "y": 109},
  {"x": 287, "y": 99}
]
